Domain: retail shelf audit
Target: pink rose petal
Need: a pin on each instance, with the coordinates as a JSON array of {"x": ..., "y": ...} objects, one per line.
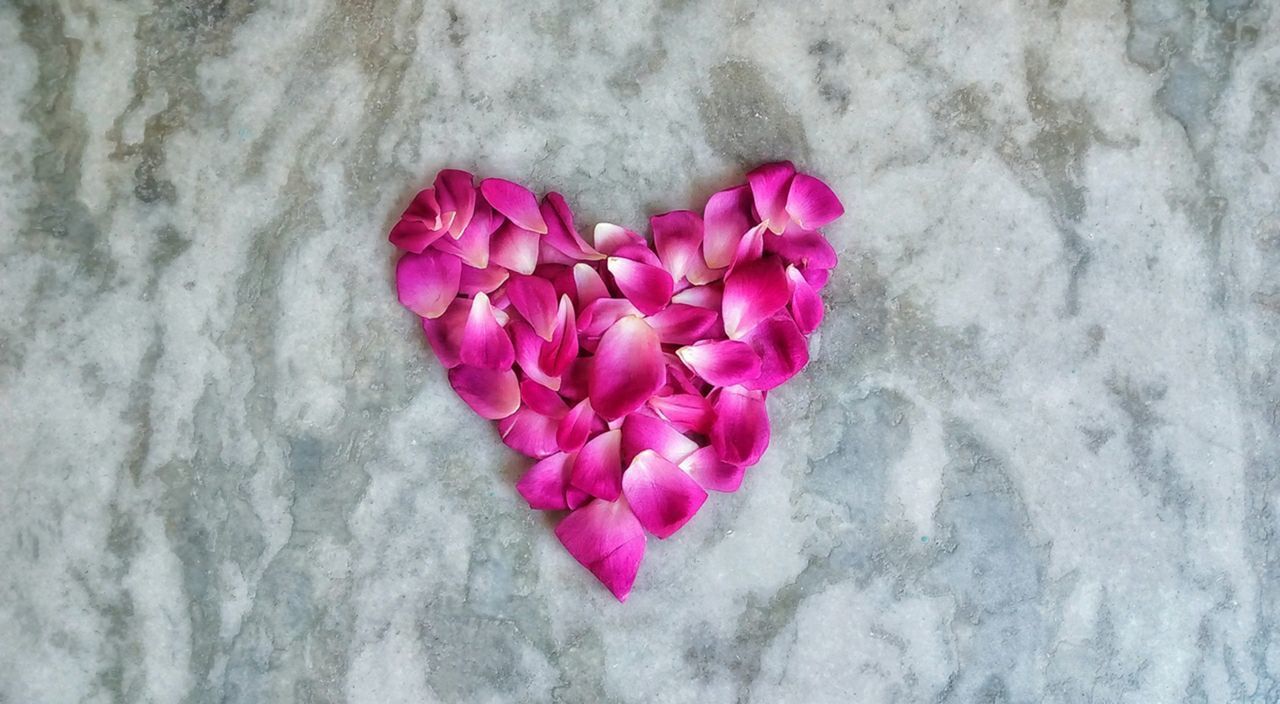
[
  {"x": 421, "y": 224},
  {"x": 528, "y": 350},
  {"x": 541, "y": 399},
  {"x": 609, "y": 238},
  {"x": 627, "y": 369},
  {"x": 606, "y": 538},
  {"x": 680, "y": 324},
  {"x": 530, "y": 433},
  {"x": 475, "y": 280},
  {"x": 752, "y": 293},
  {"x": 721, "y": 362},
  {"x": 770, "y": 184},
  {"x": 647, "y": 287},
  {"x": 701, "y": 296},
  {"x": 725, "y": 219},
  {"x": 514, "y": 201},
  {"x": 427, "y": 283},
  {"x": 706, "y": 468},
  {"x": 562, "y": 348},
  {"x": 661, "y": 495},
  {"x": 534, "y": 298},
  {"x": 562, "y": 234},
  {"x": 806, "y": 249},
  {"x": 642, "y": 432},
  {"x": 687, "y": 413},
  {"x": 598, "y": 469},
  {"x": 812, "y": 203},
  {"x": 491, "y": 393},
  {"x": 515, "y": 248},
  {"x": 576, "y": 426},
  {"x": 740, "y": 433},
  {"x": 602, "y": 313},
  {"x": 806, "y": 304},
  {"x": 588, "y": 285},
  {"x": 484, "y": 342},
  {"x": 456, "y": 193},
  {"x": 678, "y": 238},
  {"x": 750, "y": 247},
  {"x": 472, "y": 247},
  {"x": 444, "y": 334},
  {"x": 783, "y": 351},
  {"x": 544, "y": 484}
]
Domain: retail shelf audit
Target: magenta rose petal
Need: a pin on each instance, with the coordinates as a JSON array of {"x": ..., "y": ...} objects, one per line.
[
  {"x": 444, "y": 334},
  {"x": 472, "y": 247},
  {"x": 678, "y": 238},
  {"x": 687, "y": 413},
  {"x": 807, "y": 249},
  {"x": 492, "y": 393},
  {"x": 725, "y": 219},
  {"x": 588, "y": 285},
  {"x": 627, "y": 369},
  {"x": 647, "y": 287},
  {"x": 607, "y": 539},
  {"x": 701, "y": 296},
  {"x": 542, "y": 400},
  {"x": 488, "y": 279},
  {"x": 806, "y": 304},
  {"x": 740, "y": 432},
  {"x": 602, "y": 313},
  {"x": 642, "y": 432},
  {"x": 770, "y": 184},
  {"x": 783, "y": 351},
  {"x": 514, "y": 201},
  {"x": 575, "y": 427},
  {"x": 515, "y": 248},
  {"x": 427, "y": 283},
  {"x": 484, "y": 342},
  {"x": 562, "y": 234},
  {"x": 421, "y": 223},
  {"x": 534, "y": 299},
  {"x": 528, "y": 349},
  {"x": 456, "y": 193},
  {"x": 706, "y": 468},
  {"x": 598, "y": 468},
  {"x": 752, "y": 293},
  {"x": 721, "y": 362},
  {"x": 530, "y": 433},
  {"x": 680, "y": 324},
  {"x": 609, "y": 238},
  {"x": 812, "y": 203},
  {"x": 750, "y": 247},
  {"x": 562, "y": 348},
  {"x": 661, "y": 495},
  {"x": 543, "y": 485}
]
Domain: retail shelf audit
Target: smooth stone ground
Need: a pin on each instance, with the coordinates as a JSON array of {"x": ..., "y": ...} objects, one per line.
[{"x": 1036, "y": 457}]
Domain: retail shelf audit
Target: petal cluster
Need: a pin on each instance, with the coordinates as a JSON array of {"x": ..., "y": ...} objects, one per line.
[{"x": 634, "y": 375}]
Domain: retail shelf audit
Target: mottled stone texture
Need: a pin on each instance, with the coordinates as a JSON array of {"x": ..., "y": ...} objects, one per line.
[{"x": 1036, "y": 457}]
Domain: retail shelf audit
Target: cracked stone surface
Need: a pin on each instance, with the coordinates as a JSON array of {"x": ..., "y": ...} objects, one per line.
[{"x": 1035, "y": 458}]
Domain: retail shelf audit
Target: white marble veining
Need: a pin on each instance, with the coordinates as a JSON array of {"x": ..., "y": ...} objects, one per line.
[{"x": 1036, "y": 457}]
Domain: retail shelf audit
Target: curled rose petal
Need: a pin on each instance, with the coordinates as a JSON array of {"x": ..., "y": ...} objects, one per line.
[
  {"x": 534, "y": 299},
  {"x": 421, "y": 224},
  {"x": 770, "y": 184},
  {"x": 678, "y": 238},
  {"x": 721, "y": 362},
  {"x": 575, "y": 427},
  {"x": 661, "y": 495},
  {"x": 484, "y": 342},
  {"x": 444, "y": 334},
  {"x": 642, "y": 432},
  {"x": 456, "y": 194},
  {"x": 740, "y": 433},
  {"x": 530, "y": 433},
  {"x": 812, "y": 203},
  {"x": 752, "y": 293},
  {"x": 515, "y": 248},
  {"x": 627, "y": 369},
  {"x": 783, "y": 351},
  {"x": 807, "y": 249},
  {"x": 750, "y": 247},
  {"x": 806, "y": 304},
  {"x": 706, "y": 468},
  {"x": 606, "y": 538},
  {"x": 514, "y": 201},
  {"x": 562, "y": 234},
  {"x": 472, "y": 247},
  {"x": 647, "y": 287},
  {"x": 609, "y": 237},
  {"x": 562, "y": 348},
  {"x": 680, "y": 324},
  {"x": 491, "y": 393},
  {"x": 528, "y": 349},
  {"x": 427, "y": 283},
  {"x": 590, "y": 287},
  {"x": 725, "y": 219},
  {"x": 688, "y": 413},
  {"x": 543, "y": 485},
  {"x": 598, "y": 469}
]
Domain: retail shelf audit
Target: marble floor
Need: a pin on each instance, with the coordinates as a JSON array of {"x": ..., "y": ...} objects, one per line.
[{"x": 1035, "y": 458}]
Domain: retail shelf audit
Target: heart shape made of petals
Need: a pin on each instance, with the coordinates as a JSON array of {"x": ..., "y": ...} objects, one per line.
[{"x": 634, "y": 375}]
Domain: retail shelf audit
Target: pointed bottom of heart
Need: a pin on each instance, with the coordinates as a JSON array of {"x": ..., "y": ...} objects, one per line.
[{"x": 607, "y": 538}]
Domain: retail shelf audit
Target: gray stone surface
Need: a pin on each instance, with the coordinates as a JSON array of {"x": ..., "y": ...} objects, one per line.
[{"x": 1036, "y": 457}]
